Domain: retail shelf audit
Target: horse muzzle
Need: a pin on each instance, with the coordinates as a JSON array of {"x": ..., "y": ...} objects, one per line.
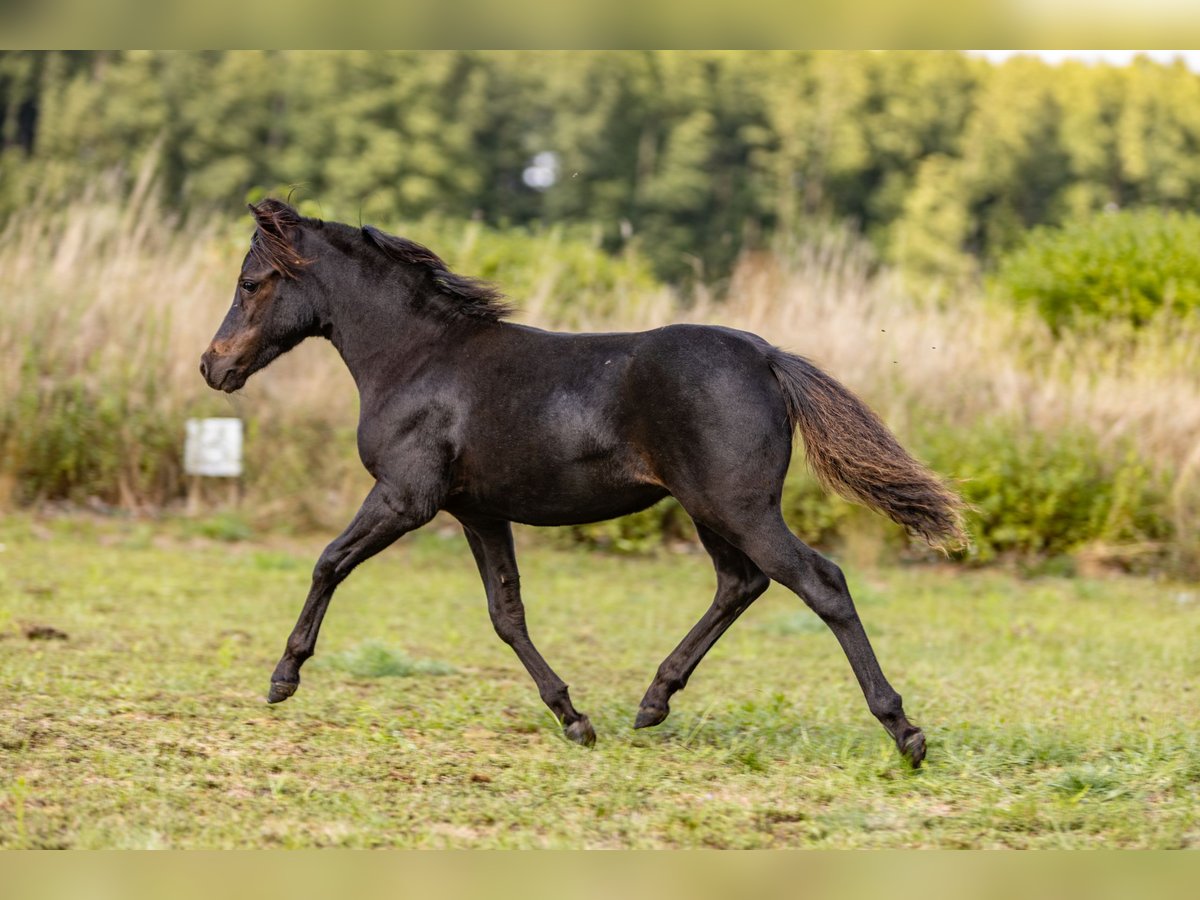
[{"x": 221, "y": 373}]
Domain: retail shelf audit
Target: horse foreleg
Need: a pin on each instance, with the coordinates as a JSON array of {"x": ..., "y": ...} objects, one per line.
[{"x": 381, "y": 520}]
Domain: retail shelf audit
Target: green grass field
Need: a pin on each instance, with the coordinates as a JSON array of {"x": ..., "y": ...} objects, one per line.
[{"x": 1060, "y": 713}]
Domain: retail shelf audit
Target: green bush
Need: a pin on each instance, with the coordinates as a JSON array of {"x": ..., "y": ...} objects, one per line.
[
  {"x": 640, "y": 532},
  {"x": 1037, "y": 494},
  {"x": 1124, "y": 266},
  {"x": 302, "y": 472},
  {"x": 223, "y": 526},
  {"x": 76, "y": 439},
  {"x": 817, "y": 516}
]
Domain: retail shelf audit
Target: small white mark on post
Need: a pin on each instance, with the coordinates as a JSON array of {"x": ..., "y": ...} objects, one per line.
[{"x": 213, "y": 448}]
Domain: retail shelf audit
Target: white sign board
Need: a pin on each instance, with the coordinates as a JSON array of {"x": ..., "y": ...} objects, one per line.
[{"x": 214, "y": 447}]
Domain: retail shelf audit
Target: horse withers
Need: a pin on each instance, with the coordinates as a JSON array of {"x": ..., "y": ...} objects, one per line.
[{"x": 497, "y": 423}]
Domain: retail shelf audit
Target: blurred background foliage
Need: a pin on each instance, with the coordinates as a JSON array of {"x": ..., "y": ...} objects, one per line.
[
  {"x": 1003, "y": 259},
  {"x": 943, "y": 161},
  {"x": 1113, "y": 267}
]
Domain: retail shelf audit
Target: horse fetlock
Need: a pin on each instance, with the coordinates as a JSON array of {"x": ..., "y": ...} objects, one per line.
[{"x": 581, "y": 732}]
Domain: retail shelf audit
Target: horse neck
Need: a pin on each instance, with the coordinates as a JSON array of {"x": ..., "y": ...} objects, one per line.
[{"x": 379, "y": 332}]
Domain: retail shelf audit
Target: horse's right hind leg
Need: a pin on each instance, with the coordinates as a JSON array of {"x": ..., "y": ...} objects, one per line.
[
  {"x": 820, "y": 583},
  {"x": 491, "y": 543},
  {"x": 739, "y": 583}
]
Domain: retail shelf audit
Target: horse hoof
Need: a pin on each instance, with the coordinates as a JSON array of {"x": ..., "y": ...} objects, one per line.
[
  {"x": 649, "y": 716},
  {"x": 280, "y": 691},
  {"x": 581, "y": 732},
  {"x": 912, "y": 748}
]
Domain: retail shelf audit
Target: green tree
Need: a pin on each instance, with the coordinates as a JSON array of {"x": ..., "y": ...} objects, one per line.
[{"x": 941, "y": 160}]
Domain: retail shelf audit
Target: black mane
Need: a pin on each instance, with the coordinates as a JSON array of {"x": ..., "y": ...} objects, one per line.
[
  {"x": 274, "y": 245},
  {"x": 476, "y": 298}
]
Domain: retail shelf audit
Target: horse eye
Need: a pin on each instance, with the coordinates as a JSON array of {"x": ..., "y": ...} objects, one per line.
[{"x": 249, "y": 286}]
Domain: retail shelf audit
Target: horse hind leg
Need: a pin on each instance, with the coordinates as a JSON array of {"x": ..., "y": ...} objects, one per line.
[
  {"x": 821, "y": 584},
  {"x": 739, "y": 583},
  {"x": 492, "y": 545}
]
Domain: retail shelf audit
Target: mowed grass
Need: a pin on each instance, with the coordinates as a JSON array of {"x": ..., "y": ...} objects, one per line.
[{"x": 1060, "y": 713}]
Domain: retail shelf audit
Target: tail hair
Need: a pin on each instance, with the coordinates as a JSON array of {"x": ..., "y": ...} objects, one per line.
[{"x": 853, "y": 453}]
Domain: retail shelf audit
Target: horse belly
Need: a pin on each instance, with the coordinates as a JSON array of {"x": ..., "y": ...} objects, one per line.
[{"x": 542, "y": 492}]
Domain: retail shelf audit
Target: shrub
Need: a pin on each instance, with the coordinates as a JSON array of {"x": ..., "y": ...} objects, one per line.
[
  {"x": 1034, "y": 495},
  {"x": 639, "y": 532},
  {"x": 817, "y": 516},
  {"x": 224, "y": 526},
  {"x": 73, "y": 438},
  {"x": 1113, "y": 266},
  {"x": 1044, "y": 494}
]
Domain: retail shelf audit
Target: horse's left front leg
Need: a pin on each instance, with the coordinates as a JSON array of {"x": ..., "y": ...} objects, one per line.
[
  {"x": 385, "y": 515},
  {"x": 492, "y": 544}
]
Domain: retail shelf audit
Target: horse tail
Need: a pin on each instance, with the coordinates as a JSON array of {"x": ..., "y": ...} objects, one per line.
[{"x": 854, "y": 454}]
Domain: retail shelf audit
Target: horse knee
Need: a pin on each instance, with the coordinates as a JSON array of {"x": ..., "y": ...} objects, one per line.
[{"x": 505, "y": 629}]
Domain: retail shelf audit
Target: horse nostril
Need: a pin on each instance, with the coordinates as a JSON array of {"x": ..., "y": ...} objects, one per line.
[{"x": 204, "y": 368}]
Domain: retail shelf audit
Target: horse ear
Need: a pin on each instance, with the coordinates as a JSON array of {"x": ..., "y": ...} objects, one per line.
[
  {"x": 278, "y": 229},
  {"x": 275, "y": 217}
]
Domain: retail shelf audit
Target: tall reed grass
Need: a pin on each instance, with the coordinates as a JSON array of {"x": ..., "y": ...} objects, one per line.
[{"x": 109, "y": 302}]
